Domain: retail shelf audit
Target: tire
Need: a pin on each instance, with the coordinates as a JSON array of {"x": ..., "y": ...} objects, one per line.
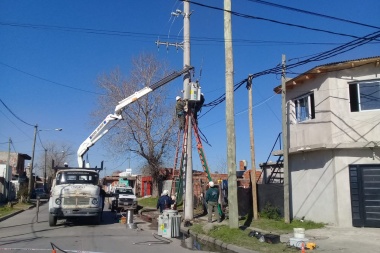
[{"x": 52, "y": 220}]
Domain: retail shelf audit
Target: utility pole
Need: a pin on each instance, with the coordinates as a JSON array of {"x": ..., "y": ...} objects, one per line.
[
  {"x": 188, "y": 161},
  {"x": 45, "y": 171},
  {"x": 189, "y": 206},
  {"x": 8, "y": 176},
  {"x": 30, "y": 187},
  {"x": 252, "y": 142},
  {"x": 285, "y": 142},
  {"x": 230, "y": 121}
]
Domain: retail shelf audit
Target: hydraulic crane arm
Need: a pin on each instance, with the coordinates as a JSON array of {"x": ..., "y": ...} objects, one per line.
[{"x": 104, "y": 127}]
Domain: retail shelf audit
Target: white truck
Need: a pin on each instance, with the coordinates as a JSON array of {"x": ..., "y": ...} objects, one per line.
[
  {"x": 122, "y": 197},
  {"x": 75, "y": 193}
]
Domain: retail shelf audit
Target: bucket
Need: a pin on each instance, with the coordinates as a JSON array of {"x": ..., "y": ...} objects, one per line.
[
  {"x": 299, "y": 233},
  {"x": 123, "y": 220}
]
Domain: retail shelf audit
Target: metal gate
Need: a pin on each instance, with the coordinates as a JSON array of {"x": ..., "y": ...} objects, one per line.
[{"x": 365, "y": 195}]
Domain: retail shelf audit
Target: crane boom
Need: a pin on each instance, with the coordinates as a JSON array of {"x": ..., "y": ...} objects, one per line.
[{"x": 104, "y": 127}]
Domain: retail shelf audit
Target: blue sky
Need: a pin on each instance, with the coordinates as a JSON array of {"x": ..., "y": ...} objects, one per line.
[{"x": 51, "y": 53}]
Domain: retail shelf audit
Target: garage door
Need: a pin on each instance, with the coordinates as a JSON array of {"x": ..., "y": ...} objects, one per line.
[{"x": 365, "y": 195}]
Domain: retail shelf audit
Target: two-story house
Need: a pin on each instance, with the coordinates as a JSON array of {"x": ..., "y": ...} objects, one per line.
[{"x": 333, "y": 121}]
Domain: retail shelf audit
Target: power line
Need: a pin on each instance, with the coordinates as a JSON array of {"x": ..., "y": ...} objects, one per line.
[
  {"x": 238, "y": 14},
  {"x": 15, "y": 114},
  {"x": 150, "y": 36},
  {"x": 47, "y": 80},
  {"x": 319, "y": 57},
  {"x": 312, "y": 13}
]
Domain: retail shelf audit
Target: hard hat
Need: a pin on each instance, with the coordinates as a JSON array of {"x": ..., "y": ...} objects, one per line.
[
  {"x": 211, "y": 184},
  {"x": 165, "y": 192},
  {"x": 177, "y": 98}
]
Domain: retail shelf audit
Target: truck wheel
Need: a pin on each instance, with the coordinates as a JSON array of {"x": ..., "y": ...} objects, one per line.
[{"x": 52, "y": 220}]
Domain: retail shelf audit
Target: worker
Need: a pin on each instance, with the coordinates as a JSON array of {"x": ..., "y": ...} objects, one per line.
[
  {"x": 180, "y": 111},
  {"x": 212, "y": 197},
  {"x": 198, "y": 106},
  {"x": 164, "y": 202},
  {"x": 102, "y": 194}
]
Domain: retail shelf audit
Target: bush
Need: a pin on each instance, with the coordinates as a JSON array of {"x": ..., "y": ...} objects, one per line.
[
  {"x": 271, "y": 212},
  {"x": 22, "y": 193}
]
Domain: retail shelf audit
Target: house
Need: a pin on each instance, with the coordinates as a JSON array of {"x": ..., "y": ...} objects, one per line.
[
  {"x": 17, "y": 164},
  {"x": 333, "y": 120}
]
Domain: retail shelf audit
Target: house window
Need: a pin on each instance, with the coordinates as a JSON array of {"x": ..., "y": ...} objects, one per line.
[
  {"x": 304, "y": 107},
  {"x": 364, "y": 96}
]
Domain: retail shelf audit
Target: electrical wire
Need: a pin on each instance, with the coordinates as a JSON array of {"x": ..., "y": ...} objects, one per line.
[
  {"x": 312, "y": 13},
  {"x": 318, "y": 57},
  {"x": 160, "y": 240},
  {"x": 17, "y": 117},
  {"x": 273, "y": 21},
  {"x": 47, "y": 80}
]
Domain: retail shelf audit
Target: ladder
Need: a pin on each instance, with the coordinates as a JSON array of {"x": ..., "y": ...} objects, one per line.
[{"x": 200, "y": 150}]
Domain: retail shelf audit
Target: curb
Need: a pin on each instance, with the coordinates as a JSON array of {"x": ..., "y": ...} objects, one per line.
[
  {"x": 217, "y": 242},
  {"x": 221, "y": 244}
]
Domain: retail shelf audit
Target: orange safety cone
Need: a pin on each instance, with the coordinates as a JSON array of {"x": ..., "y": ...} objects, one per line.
[
  {"x": 53, "y": 251},
  {"x": 303, "y": 247}
]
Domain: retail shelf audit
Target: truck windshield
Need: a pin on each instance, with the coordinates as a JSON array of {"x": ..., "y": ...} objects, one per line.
[
  {"x": 77, "y": 177},
  {"x": 124, "y": 191}
]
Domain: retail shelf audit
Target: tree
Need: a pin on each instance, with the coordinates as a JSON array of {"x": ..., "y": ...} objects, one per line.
[
  {"x": 148, "y": 125},
  {"x": 59, "y": 152}
]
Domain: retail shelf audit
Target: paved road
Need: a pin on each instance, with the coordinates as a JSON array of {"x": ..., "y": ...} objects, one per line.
[{"x": 22, "y": 233}]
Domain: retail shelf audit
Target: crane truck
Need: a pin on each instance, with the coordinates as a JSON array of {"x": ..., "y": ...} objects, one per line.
[
  {"x": 104, "y": 127},
  {"x": 75, "y": 191}
]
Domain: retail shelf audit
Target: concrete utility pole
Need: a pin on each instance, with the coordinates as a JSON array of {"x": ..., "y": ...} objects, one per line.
[
  {"x": 285, "y": 142},
  {"x": 252, "y": 142},
  {"x": 189, "y": 206},
  {"x": 230, "y": 121},
  {"x": 30, "y": 188},
  {"x": 8, "y": 176}
]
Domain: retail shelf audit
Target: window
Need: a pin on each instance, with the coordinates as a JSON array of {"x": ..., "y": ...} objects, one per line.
[
  {"x": 304, "y": 107},
  {"x": 77, "y": 177},
  {"x": 364, "y": 96}
]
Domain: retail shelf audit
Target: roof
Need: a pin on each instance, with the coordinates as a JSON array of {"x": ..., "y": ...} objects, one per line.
[{"x": 321, "y": 69}]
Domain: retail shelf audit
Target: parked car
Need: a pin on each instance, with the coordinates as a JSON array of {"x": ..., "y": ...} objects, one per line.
[{"x": 40, "y": 192}]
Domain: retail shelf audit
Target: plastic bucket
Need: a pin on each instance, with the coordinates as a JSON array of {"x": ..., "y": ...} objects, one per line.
[{"x": 299, "y": 233}]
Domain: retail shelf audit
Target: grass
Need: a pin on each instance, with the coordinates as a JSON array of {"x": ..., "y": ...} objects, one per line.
[
  {"x": 147, "y": 203},
  {"x": 240, "y": 236},
  {"x": 5, "y": 210}
]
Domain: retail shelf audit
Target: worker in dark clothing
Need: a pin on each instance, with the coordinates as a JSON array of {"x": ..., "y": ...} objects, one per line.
[
  {"x": 102, "y": 194},
  {"x": 180, "y": 111},
  {"x": 164, "y": 202},
  {"x": 198, "y": 106},
  {"x": 212, "y": 197}
]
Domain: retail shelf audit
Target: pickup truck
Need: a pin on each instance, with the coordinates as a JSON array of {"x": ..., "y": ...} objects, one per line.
[{"x": 122, "y": 197}]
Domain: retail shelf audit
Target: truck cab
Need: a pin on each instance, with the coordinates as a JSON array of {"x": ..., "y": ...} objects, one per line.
[{"x": 75, "y": 193}]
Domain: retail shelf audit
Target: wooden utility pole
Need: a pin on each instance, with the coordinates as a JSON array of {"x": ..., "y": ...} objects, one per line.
[
  {"x": 252, "y": 142},
  {"x": 189, "y": 206},
  {"x": 285, "y": 142},
  {"x": 230, "y": 121}
]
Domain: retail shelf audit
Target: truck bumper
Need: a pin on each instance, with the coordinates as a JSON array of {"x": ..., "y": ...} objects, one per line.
[{"x": 75, "y": 212}]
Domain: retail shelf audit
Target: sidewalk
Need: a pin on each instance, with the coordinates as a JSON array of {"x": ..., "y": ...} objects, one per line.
[{"x": 328, "y": 239}]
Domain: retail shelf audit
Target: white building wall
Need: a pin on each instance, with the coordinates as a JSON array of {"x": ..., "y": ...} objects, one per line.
[
  {"x": 320, "y": 184},
  {"x": 334, "y": 123}
]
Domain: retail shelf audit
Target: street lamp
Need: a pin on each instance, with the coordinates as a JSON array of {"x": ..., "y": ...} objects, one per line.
[{"x": 32, "y": 163}]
